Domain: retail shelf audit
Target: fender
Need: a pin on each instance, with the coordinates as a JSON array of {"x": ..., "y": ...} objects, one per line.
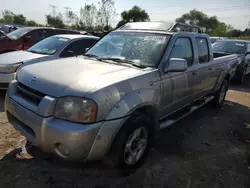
[
  {"x": 226, "y": 70},
  {"x": 118, "y": 115}
]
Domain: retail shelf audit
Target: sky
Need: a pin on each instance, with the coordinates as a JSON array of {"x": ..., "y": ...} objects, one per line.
[{"x": 234, "y": 12}]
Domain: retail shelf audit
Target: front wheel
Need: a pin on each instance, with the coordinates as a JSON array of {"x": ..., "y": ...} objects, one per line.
[
  {"x": 220, "y": 95},
  {"x": 131, "y": 144}
]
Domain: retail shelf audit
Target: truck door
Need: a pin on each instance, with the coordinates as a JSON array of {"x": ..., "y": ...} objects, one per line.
[
  {"x": 207, "y": 69},
  {"x": 179, "y": 87}
]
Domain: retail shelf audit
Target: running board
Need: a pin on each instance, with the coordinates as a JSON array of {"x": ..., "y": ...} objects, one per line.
[{"x": 186, "y": 111}]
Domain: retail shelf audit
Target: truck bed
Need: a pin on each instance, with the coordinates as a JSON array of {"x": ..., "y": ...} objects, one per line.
[{"x": 220, "y": 54}]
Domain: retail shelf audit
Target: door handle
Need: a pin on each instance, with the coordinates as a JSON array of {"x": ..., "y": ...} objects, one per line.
[
  {"x": 210, "y": 68},
  {"x": 194, "y": 73}
]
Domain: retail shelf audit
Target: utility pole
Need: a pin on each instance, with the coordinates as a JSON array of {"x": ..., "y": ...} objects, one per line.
[
  {"x": 67, "y": 13},
  {"x": 54, "y": 9}
]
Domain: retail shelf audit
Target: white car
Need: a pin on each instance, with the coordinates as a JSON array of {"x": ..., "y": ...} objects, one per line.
[{"x": 54, "y": 47}]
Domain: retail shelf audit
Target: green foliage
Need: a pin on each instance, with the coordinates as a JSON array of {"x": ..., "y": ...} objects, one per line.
[
  {"x": 9, "y": 17},
  {"x": 200, "y": 19},
  {"x": 55, "y": 21},
  {"x": 31, "y": 23},
  {"x": 210, "y": 25},
  {"x": 19, "y": 19},
  {"x": 136, "y": 14}
]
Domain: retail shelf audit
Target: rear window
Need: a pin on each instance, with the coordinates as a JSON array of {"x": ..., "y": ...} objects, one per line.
[
  {"x": 203, "y": 51},
  {"x": 232, "y": 47},
  {"x": 49, "y": 45},
  {"x": 14, "y": 35}
]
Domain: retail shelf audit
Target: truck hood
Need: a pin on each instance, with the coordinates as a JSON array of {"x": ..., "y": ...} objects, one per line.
[
  {"x": 17, "y": 56},
  {"x": 74, "y": 76}
]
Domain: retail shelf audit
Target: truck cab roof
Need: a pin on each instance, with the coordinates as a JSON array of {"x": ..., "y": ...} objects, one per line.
[{"x": 161, "y": 28}]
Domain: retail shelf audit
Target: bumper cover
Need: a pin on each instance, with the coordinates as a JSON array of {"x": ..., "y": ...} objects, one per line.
[
  {"x": 6, "y": 79},
  {"x": 48, "y": 133}
]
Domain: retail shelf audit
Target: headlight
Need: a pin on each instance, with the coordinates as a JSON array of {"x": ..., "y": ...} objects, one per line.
[
  {"x": 9, "y": 68},
  {"x": 76, "y": 109}
]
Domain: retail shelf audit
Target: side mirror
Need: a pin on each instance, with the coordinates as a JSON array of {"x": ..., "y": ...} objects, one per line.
[
  {"x": 247, "y": 53},
  {"x": 176, "y": 65},
  {"x": 26, "y": 38},
  {"x": 69, "y": 53}
]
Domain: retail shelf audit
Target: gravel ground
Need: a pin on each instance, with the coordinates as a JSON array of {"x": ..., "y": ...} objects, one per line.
[{"x": 208, "y": 149}]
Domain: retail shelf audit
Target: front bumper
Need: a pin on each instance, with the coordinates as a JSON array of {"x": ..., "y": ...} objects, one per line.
[
  {"x": 51, "y": 134},
  {"x": 6, "y": 79}
]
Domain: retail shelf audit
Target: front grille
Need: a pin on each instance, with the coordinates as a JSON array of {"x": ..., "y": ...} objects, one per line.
[
  {"x": 29, "y": 93},
  {"x": 4, "y": 85}
]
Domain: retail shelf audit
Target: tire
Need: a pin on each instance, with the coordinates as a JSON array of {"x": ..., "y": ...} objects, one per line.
[
  {"x": 241, "y": 76},
  {"x": 220, "y": 95},
  {"x": 136, "y": 133}
]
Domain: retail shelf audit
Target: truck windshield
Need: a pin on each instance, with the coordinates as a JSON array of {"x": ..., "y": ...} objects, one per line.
[
  {"x": 14, "y": 35},
  {"x": 232, "y": 47},
  {"x": 48, "y": 46},
  {"x": 144, "y": 49}
]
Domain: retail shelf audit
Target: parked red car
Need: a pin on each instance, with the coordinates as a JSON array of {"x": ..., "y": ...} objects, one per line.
[{"x": 23, "y": 38}]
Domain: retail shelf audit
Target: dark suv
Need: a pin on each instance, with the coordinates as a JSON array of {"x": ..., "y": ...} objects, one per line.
[{"x": 23, "y": 38}]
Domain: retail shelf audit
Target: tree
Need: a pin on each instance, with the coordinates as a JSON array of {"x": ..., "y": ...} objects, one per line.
[
  {"x": 106, "y": 11},
  {"x": 71, "y": 17},
  {"x": 221, "y": 30},
  {"x": 19, "y": 19},
  {"x": 235, "y": 33},
  {"x": 31, "y": 23},
  {"x": 88, "y": 15},
  {"x": 55, "y": 21},
  {"x": 136, "y": 14},
  {"x": 8, "y": 16},
  {"x": 200, "y": 19}
]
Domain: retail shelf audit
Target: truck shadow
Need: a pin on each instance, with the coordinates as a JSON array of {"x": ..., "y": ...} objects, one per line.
[
  {"x": 202, "y": 133},
  {"x": 245, "y": 87},
  {"x": 2, "y": 96},
  {"x": 206, "y": 132}
]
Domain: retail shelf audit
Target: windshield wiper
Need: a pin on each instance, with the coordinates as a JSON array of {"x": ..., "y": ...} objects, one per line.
[
  {"x": 126, "y": 61},
  {"x": 92, "y": 55},
  {"x": 33, "y": 51}
]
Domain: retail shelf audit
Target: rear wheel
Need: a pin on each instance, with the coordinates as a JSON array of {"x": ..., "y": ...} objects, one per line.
[
  {"x": 241, "y": 76},
  {"x": 220, "y": 95},
  {"x": 131, "y": 144}
]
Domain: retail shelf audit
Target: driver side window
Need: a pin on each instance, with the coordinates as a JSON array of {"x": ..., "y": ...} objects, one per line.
[{"x": 183, "y": 49}]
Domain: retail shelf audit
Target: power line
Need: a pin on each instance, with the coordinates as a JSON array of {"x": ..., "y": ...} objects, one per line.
[{"x": 54, "y": 9}]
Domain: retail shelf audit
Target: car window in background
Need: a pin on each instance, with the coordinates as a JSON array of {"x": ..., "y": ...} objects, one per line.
[
  {"x": 78, "y": 47},
  {"x": 203, "y": 51},
  {"x": 183, "y": 49},
  {"x": 141, "y": 48},
  {"x": 213, "y": 40},
  {"x": 18, "y": 33},
  {"x": 232, "y": 47},
  {"x": 48, "y": 46}
]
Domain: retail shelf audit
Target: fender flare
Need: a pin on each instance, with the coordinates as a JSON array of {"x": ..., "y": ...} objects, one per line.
[{"x": 118, "y": 115}]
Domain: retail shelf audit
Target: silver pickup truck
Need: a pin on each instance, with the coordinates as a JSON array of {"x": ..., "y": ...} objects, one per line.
[{"x": 110, "y": 103}]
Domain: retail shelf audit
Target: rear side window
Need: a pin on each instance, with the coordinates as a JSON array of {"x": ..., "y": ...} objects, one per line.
[
  {"x": 183, "y": 49},
  {"x": 79, "y": 46},
  {"x": 203, "y": 51}
]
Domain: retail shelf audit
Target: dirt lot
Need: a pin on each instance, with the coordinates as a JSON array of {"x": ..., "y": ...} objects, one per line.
[{"x": 208, "y": 149}]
